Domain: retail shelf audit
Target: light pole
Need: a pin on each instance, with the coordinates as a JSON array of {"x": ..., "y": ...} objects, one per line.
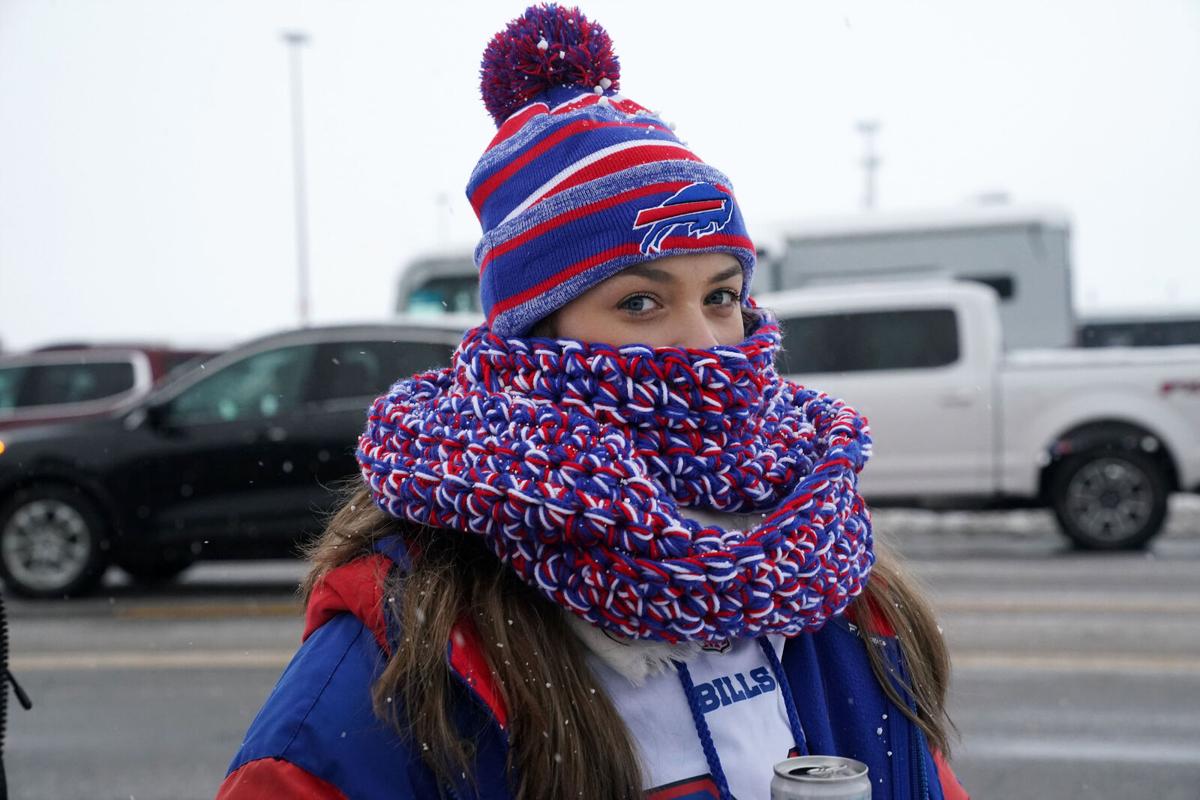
[
  {"x": 870, "y": 161},
  {"x": 295, "y": 40}
]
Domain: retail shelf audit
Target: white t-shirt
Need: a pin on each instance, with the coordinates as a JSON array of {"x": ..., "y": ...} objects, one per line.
[{"x": 742, "y": 704}]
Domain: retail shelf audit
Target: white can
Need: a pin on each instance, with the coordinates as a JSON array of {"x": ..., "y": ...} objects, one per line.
[{"x": 820, "y": 778}]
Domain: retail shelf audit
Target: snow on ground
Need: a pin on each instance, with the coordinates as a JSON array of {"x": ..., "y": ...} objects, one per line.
[{"x": 1183, "y": 521}]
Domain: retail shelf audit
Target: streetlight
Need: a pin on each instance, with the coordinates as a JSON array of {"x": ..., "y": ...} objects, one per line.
[
  {"x": 870, "y": 161},
  {"x": 295, "y": 40}
]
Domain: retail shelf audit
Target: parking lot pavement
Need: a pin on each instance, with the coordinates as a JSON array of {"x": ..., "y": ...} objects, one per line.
[{"x": 1076, "y": 675}]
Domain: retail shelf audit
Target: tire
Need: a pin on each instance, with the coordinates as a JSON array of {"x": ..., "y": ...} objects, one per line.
[
  {"x": 53, "y": 543},
  {"x": 1110, "y": 499},
  {"x": 155, "y": 568}
]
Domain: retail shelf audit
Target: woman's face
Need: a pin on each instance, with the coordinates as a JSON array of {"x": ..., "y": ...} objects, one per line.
[{"x": 678, "y": 301}]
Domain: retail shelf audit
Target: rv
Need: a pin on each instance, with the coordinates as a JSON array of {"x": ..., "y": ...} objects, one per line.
[{"x": 1021, "y": 253}]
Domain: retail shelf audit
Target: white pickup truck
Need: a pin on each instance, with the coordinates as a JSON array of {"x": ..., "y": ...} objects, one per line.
[{"x": 1101, "y": 435}]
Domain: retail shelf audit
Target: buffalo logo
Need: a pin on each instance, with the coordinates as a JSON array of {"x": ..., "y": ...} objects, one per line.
[{"x": 701, "y": 207}]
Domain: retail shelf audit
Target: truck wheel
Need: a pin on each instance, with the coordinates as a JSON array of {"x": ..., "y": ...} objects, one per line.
[
  {"x": 1110, "y": 499},
  {"x": 52, "y": 543}
]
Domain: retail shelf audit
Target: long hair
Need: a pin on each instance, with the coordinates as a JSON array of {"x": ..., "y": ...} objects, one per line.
[
  {"x": 566, "y": 737},
  {"x": 895, "y": 597}
]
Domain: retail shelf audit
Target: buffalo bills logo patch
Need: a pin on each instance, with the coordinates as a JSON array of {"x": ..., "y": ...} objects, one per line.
[{"x": 702, "y": 209}]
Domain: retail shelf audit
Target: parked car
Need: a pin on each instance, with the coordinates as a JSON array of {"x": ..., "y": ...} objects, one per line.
[
  {"x": 240, "y": 457},
  {"x": 1100, "y": 435},
  {"x": 78, "y": 381}
]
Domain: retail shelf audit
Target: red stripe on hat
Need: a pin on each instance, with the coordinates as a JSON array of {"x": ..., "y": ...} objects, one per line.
[
  {"x": 485, "y": 189},
  {"x": 516, "y": 122},
  {"x": 685, "y": 242},
  {"x": 629, "y": 107},
  {"x": 621, "y": 160},
  {"x": 648, "y": 216},
  {"x": 627, "y": 249},
  {"x": 577, "y": 213}
]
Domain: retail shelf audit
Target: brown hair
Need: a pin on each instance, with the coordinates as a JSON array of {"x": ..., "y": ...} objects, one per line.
[
  {"x": 566, "y": 737},
  {"x": 557, "y": 710},
  {"x": 895, "y": 598}
]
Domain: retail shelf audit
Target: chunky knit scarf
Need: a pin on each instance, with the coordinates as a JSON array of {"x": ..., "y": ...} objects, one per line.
[{"x": 577, "y": 463}]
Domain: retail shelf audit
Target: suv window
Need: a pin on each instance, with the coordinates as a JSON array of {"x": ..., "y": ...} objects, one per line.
[
  {"x": 52, "y": 384},
  {"x": 458, "y": 293},
  {"x": 353, "y": 370},
  {"x": 869, "y": 340},
  {"x": 260, "y": 386}
]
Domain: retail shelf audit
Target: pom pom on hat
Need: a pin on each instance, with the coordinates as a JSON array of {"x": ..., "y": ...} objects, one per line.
[{"x": 547, "y": 46}]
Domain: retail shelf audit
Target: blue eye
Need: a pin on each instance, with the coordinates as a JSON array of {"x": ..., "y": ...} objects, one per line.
[
  {"x": 638, "y": 304},
  {"x": 723, "y": 297}
]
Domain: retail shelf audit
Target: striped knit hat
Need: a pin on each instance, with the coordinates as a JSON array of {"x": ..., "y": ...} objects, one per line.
[{"x": 580, "y": 182}]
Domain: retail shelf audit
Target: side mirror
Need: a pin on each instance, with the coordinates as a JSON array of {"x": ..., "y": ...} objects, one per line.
[{"x": 154, "y": 415}]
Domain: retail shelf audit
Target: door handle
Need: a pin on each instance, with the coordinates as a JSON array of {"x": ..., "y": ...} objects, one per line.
[{"x": 958, "y": 398}]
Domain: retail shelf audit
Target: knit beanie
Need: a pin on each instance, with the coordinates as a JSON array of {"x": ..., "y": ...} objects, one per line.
[{"x": 579, "y": 181}]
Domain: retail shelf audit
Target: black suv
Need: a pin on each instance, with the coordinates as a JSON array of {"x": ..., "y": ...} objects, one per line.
[{"x": 234, "y": 459}]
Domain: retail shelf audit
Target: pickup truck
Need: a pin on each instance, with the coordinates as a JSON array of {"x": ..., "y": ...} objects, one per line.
[{"x": 1101, "y": 435}]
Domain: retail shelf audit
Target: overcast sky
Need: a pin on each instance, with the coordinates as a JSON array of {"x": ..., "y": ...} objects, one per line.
[{"x": 145, "y": 151}]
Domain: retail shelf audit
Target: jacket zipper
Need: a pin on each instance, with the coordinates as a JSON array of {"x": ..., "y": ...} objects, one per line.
[{"x": 921, "y": 750}]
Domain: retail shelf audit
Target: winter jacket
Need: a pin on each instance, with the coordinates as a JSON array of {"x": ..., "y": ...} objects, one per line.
[{"x": 318, "y": 737}]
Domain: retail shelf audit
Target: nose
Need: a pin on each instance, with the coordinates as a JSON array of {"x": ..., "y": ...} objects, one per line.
[{"x": 695, "y": 331}]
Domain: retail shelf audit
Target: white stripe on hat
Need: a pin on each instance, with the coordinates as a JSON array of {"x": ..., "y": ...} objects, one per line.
[
  {"x": 584, "y": 162},
  {"x": 574, "y": 99},
  {"x": 523, "y": 109}
]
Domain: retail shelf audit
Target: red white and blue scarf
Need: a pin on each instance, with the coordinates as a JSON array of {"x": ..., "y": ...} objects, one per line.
[{"x": 577, "y": 464}]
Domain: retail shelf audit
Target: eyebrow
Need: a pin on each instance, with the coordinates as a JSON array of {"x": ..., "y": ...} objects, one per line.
[
  {"x": 736, "y": 269},
  {"x": 662, "y": 276}
]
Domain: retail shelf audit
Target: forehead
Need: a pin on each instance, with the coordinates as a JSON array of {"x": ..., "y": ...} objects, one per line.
[{"x": 703, "y": 266}]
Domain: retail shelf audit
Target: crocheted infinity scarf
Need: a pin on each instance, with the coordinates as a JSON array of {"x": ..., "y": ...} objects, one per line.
[{"x": 577, "y": 462}]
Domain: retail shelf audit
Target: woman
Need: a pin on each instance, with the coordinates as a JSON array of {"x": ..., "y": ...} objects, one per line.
[{"x": 608, "y": 553}]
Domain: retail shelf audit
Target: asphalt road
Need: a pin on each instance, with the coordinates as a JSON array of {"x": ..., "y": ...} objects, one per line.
[{"x": 1076, "y": 676}]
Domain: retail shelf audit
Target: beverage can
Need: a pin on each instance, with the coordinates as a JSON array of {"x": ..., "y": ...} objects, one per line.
[{"x": 820, "y": 778}]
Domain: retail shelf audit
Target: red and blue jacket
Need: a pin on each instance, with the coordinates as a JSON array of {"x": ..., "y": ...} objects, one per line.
[{"x": 317, "y": 735}]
